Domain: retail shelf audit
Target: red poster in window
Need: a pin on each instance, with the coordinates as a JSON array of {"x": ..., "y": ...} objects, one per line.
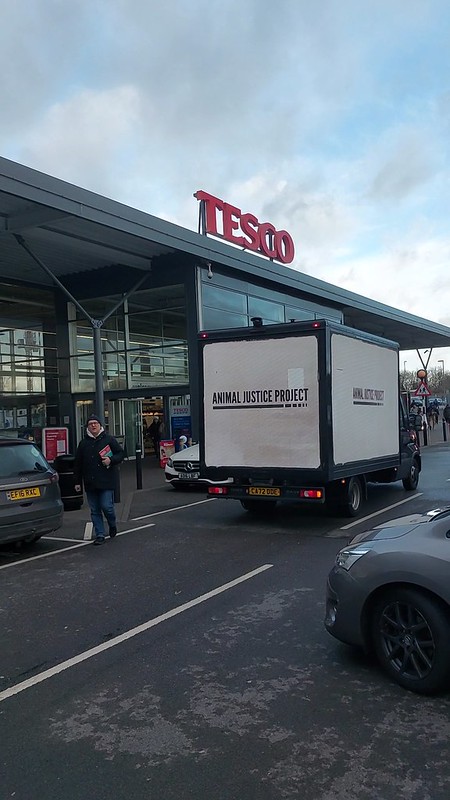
[
  {"x": 55, "y": 442},
  {"x": 166, "y": 449}
]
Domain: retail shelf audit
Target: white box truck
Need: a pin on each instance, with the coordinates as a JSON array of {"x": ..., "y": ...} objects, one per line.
[{"x": 305, "y": 410}]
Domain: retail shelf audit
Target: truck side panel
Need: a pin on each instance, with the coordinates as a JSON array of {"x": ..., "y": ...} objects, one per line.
[
  {"x": 364, "y": 400},
  {"x": 261, "y": 403}
]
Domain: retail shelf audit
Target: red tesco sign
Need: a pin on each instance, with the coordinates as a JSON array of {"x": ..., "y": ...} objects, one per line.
[{"x": 261, "y": 237}]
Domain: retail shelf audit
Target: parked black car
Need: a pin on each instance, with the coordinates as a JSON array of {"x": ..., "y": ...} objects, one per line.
[
  {"x": 30, "y": 500},
  {"x": 389, "y": 591}
]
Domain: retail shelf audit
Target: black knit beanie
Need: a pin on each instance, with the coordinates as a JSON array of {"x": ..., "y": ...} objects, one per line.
[{"x": 93, "y": 418}]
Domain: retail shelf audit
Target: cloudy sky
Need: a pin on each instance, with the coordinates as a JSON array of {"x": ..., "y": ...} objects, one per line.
[{"x": 329, "y": 118}]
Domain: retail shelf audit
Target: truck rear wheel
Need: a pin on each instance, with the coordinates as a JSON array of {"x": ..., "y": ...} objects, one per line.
[{"x": 353, "y": 498}]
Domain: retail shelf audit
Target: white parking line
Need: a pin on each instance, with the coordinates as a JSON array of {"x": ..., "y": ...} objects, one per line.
[
  {"x": 51, "y": 538},
  {"x": 66, "y": 549},
  {"x": 177, "y": 508},
  {"x": 381, "y": 511},
  {"x": 100, "y": 648}
]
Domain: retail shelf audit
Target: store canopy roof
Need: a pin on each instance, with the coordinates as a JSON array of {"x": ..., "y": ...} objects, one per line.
[{"x": 75, "y": 233}]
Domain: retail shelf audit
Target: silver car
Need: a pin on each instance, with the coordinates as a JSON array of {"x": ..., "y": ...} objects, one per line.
[
  {"x": 389, "y": 592},
  {"x": 30, "y": 500}
]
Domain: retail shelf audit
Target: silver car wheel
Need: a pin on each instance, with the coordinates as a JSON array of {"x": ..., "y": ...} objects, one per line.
[{"x": 411, "y": 634}]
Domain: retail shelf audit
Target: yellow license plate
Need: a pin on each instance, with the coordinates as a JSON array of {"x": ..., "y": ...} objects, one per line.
[
  {"x": 23, "y": 494},
  {"x": 266, "y": 491}
]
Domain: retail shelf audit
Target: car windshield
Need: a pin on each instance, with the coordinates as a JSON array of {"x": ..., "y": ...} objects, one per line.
[{"x": 21, "y": 460}]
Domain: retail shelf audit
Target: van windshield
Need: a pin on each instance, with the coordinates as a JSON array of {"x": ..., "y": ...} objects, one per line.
[{"x": 19, "y": 459}]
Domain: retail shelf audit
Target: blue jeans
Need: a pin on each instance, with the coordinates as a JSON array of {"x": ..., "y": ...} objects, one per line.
[{"x": 101, "y": 500}]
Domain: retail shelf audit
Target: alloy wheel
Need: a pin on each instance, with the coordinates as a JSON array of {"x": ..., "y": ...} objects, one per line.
[{"x": 407, "y": 640}]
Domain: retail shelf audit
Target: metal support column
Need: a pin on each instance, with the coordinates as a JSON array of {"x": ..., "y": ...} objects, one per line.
[
  {"x": 98, "y": 369},
  {"x": 96, "y": 323}
]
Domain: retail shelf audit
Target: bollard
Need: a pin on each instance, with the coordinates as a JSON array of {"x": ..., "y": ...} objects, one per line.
[
  {"x": 444, "y": 429},
  {"x": 138, "y": 467},
  {"x": 88, "y": 528}
]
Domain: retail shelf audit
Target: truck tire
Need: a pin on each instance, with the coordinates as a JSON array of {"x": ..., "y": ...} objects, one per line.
[
  {"x": 259, "y": 507},
  {"x": 353, "y": 499},
  {"x": 412, "y": 479}
]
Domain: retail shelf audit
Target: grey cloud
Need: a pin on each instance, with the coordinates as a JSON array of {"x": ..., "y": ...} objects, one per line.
[
  {"x": 410, "y": 164},
  {"x": 42, "y": 46},
  {"x": 229, "y": 74}
]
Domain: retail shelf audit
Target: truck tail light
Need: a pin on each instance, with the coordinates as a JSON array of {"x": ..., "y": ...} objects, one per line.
[
  {"x": 217, "y": 490},
  {"x": 311, "y": 494}
]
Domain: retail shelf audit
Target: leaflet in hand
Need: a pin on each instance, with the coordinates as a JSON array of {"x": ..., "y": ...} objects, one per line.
[{"x": 106, "y": 452}]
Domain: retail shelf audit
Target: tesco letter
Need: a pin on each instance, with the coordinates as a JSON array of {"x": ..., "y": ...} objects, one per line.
[{"x": 260, "y": 237}]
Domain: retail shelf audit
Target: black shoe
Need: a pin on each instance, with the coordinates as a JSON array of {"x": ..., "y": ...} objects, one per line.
[
  {"x": 99, "y": 540},
  {"x": 112, "y": 532}
]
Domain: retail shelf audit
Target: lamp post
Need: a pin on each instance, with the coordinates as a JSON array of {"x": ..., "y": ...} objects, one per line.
[
  {"x": 404, "y": 367},
  {"x": 442, "y": 388}
]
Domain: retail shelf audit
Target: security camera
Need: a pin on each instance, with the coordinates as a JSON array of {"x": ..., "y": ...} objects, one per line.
[{"x": 210, "y": 272}]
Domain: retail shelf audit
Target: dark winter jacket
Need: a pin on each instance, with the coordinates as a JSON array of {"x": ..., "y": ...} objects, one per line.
[{"x": 88, "y": 467}]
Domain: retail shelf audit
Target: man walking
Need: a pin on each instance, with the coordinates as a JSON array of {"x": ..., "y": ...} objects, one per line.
[{"x": 96, "y": 460}]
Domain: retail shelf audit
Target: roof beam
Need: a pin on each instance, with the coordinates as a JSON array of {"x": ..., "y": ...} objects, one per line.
[{"x": 30, "y": 219}]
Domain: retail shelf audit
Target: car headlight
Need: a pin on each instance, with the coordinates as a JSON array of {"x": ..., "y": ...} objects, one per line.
[
  {"x": 170, "y": 463},
  {"x": 349, "y": 555}
]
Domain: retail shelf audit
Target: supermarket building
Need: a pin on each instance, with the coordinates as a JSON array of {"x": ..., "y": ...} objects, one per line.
[{"x": 100, "y": 302}]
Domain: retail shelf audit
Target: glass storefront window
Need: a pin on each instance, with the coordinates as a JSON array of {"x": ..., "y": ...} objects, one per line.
[
  {"x": 215, "y": 297},
  {"x": 230, "y": 303},
  {"x": 163, "y": 365},
  {"x": 316, "y": 312},
  {"x": 270, "y": 312},
  {"x": 28, "y": 359},
  {"x": 24, "y": 361},
  {"x": 114, "y": 372},
  {"x": 143, "y": 344},
  {"x": 214, "y": 319}
]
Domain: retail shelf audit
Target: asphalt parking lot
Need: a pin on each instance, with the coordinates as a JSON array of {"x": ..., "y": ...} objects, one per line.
[{"x": 188, "y": 659}]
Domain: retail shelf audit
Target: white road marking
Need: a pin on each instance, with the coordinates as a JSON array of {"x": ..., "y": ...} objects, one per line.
[
  {"x": 101, "y": 648},
  {"x": 51, "y": 538},
  {"x": 381, "y": 511},
  {"x": 177, "y": 508},
  {"x": 66, "y": 549}
]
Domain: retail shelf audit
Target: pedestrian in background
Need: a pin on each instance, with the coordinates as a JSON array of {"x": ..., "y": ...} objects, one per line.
[
  {"x": 155, "y": 433},
  {"x": 446, "y": 414},
  {"x": 96, "y": 460}
]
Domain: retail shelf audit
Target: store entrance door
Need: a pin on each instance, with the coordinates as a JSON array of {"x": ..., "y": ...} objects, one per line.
[{"x": 125, "y": 423}]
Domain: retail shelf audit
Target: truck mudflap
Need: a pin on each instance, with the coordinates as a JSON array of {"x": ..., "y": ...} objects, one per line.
[{"x": 304, "y": 494}]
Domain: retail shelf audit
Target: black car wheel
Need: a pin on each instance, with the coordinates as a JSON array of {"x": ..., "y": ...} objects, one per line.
[
  {"x": 411, "y": 635},
  {"x": 411, "y": 481}
]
